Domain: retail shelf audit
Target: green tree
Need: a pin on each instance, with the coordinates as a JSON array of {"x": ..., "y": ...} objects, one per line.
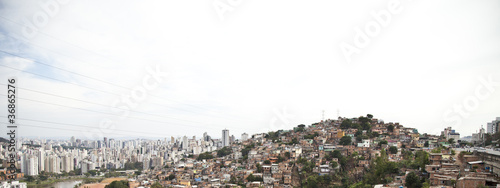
[
  {"x": 382, "y": 142},
  {"x": 356, "y": 126},
  {"x": 311, "y": 136},
  {"x": 366, "y": 126},
  {"x": 360, "y": 185},
  {"x": 43, "y": 177},
  {"x": 300, "y": 128},
  {"x": 374, "y": 135},
  {"x": 93, "y": 172},
  {"x": 251, "y": 178},
  {"x": 137, "y": 172},
  {"x": 170, "y": 177},
  {"x": 336, "y": 154},
  {"x": 267, "y": 162},
  {"x": 426, "y": 185},
  {"x": 280, "y": 159},
  {"x": 244, "y": 151},
  {"x": 364, "y": 120},
  {"x": 426, "y": 144},
  {"x": 436, "y": 150},
  {"x": 421, "y": 159},
  {"x": 346, "y": 124},
  {"x": 390, "y": 128},
  {"x": 334, "y": 164},
  {"x": 156, "y": 185},
  {"x": 117, "y": 184},
  {"x": 345, "y": 140},
  {"x": 295, "y": 141},
  {"x": 259, "y": 168},
  {"x": 312, "y": 182},
  {"x": 287, "y": 155},
  {"x": 380, "y": 169},
  {"x": 393, "y": 149},
  {"x": 451, "y": 141},
  {"x": 30, "y": 178},
  {"x": 224, "y": 151},
  {"x": 205, "y": 155},
  {"x": 413, "y": 181},
  {"x": 369, "y": 116}
]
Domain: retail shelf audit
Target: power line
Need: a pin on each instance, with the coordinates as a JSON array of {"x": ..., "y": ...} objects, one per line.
[
  {"x": 76, "y": 125},
  {"x": 88, "y": 77},
  {"x": 109, "y": 83},
  {"x": 156, "y": 121},
  {"x": 79, "y": 86},
  {"x": 61, "y": 69},
  {"x": 57, "y": 128},
  {"x": 103, "y": 105},
  {"x": 80, "y": 60},
  {"x": 59, "y": 80}
]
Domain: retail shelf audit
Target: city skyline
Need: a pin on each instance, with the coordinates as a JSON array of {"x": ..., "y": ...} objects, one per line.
[{"x": 141, "y": 72}]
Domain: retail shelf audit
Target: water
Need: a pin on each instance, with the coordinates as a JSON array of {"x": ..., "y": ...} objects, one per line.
[{"x": 63, "y": 184}]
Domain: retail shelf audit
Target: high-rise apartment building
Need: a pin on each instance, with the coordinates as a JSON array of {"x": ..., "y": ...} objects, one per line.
[
  {"x": 225, "y": 138},
  {"x": 244, "y": 137},
  {"x": 185, "y": 143},
  {"x": 493, "y": 126}
]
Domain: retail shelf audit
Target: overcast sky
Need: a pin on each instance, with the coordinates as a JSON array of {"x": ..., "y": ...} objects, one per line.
[{"x": 171, "y": 68}]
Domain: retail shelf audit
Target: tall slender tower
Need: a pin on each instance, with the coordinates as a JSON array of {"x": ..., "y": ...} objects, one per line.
[
  {"x": 225, "y": 138},
  {"x": 41, "y": 160},
  {"x": 184, "y": 142}
]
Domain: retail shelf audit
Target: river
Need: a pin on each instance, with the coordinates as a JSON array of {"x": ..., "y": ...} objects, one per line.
[{"x": 63, "y": 184}]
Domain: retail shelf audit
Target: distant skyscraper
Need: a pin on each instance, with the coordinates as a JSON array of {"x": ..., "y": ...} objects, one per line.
[
  {"x": 41, "y": 160},
  {"x": 225, "y": 138},
  {"x": 205, "y": 136},
  {"x": 32, "y": 166},
  {"x": 231, "y": 139},
  {"x": 66, "y": 163},
  {"x": 105, "y": 142},
  {"x": 54, "y": 164},
  {"x": 244, "y": 137},
  {"x": 78, "y": 142},
  {"x": 185, "y": 142},
  {"x": 111, "y": 143},
  {"x": 73, "y": 140}
]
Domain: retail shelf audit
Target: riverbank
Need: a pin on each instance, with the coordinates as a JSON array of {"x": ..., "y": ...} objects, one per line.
[
  {"x": 102, "y": 184},
  {"x": 59, "y": 184},
  {"x": 48, "y": 182}
]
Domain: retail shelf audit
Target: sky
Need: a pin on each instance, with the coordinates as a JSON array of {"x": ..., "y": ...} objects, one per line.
[{"x": 155, "y": 69}]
